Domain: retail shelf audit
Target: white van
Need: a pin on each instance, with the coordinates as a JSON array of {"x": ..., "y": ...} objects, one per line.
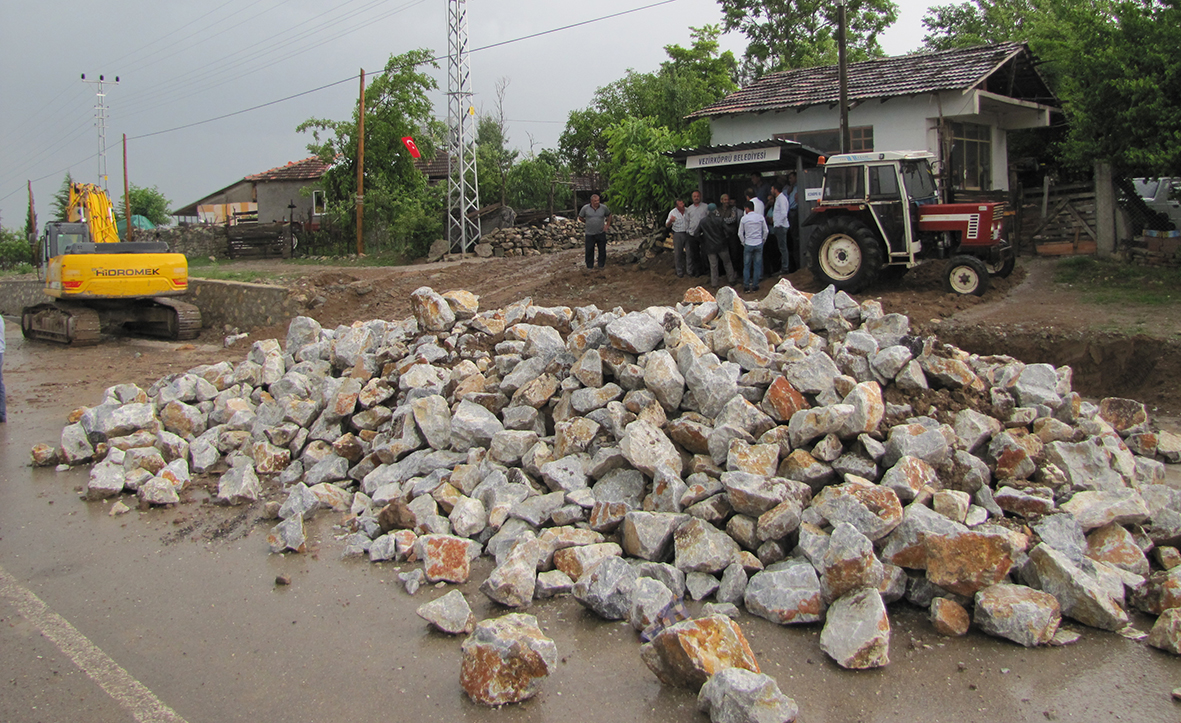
[{"x": 1162, "y": 195}]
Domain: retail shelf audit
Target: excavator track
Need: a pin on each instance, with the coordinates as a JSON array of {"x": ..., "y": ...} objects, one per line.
[
  {"x": 187, "y": 321},
  {"x": 61, "y": 323}
]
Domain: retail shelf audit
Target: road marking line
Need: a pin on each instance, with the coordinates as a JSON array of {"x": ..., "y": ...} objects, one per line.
[{"x": 117, "y": 682}]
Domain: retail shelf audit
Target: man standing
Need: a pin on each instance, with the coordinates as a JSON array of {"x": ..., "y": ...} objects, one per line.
[
  {"x": 597, "y": 218},
  {"x": 715, "y": 241},
  {"x": 752, "y": 231},
  {"x": 760, "y": 207},
  {"x": 761, "y": 188},
  {"x": 780, "y": 224},
  {"x": 793, "y": 217},
  {"x": 3, "y": 403},
  {"x": 678, "y": 221},
  {"x": 730, "y": 215},
  {"x": 696, "y": 213}
]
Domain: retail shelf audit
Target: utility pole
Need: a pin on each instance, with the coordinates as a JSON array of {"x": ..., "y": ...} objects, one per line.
[
  {"x": 843, "y": 72},
  {"x": 361, "y": 168},
  {"x": 463, "y": 194},
  {"x": 32, "y": 223},
  {"x": 100, "y": 119},
  {"x": 126, "y": 191}
]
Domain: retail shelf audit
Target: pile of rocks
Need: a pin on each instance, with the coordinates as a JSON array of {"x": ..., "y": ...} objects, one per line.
[
  {"x": 804, "y": 456},
  {"x": 558, "y": 235}
]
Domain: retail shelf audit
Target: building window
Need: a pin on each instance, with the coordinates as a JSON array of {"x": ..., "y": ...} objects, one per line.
[
  {"x": 971, "y": 157},
  {"x": 828, "y": 141},
  {"x": 317, "y": 203}
]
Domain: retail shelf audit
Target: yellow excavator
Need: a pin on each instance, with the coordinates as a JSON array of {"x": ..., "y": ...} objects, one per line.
[{"x": 99, "y": 282}]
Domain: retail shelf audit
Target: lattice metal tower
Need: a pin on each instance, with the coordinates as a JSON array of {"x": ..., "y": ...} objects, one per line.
[
  {"x": 463, "y": 188},
  {"x": 100, "y": 120}
]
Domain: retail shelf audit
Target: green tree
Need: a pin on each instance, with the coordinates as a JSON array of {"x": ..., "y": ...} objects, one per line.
[
  {"x": 14, "y": 249},
  {"x": 147, "y": 202},
  {"x": 1112, "y": 64},
  {"x": 787, "y": 34},
  {"x": 399, "y": 206},
  {"x": 978, "y": 22},
  {"x": 1119, "y": 79},
  {"x": 689, "y": 80},
  {"x": 531, "y": 180},
  {"x": 61, "y": 200},
  {"x": 494, "y": 159},
  {"x": 643, "y": 180},
  {"x": 31, "y": 224}
]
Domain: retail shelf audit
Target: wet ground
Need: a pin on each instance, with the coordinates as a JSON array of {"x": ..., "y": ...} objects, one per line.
[{"x": 183, "y": 604}]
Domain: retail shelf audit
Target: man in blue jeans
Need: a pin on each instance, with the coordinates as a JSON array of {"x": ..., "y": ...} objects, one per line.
[{"x": 752, "y": 232}]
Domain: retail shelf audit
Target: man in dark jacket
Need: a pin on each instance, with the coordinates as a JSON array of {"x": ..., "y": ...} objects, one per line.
[{"x": 715, "y": 242}]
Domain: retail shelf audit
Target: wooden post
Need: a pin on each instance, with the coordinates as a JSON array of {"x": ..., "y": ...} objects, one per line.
[
  {"x": 361, "y": 167},
  {"x": 126, "y": 190},
  {"x": 843, "y": 79},
  {"x": 1045, "y": 197}
]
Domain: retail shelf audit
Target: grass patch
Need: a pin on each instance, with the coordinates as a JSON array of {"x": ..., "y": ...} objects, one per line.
[
  {"x": 246, "y": 275},
  {"x": 1104, "y": 281},
  {"x": 18, "y": 270}
]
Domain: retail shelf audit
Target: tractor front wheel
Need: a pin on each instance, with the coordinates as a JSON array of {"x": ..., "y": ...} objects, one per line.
[
  {"x": 846, "y": 254},
  {"x": 966, "y": 275}
]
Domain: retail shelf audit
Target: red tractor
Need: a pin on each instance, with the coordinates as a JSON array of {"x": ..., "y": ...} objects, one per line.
[{"x": 878, "y": 214}]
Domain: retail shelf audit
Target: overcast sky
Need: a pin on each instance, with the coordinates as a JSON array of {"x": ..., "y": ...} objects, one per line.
[{"x": 181, "y": 63}]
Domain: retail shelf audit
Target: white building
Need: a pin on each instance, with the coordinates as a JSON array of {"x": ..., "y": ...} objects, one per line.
[{"x": 958, "y": 104}]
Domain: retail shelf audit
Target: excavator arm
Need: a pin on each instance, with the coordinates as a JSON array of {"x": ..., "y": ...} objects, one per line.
[{"x": 90, "y": 204}]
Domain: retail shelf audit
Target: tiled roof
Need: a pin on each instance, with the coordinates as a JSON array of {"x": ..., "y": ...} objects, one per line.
[
  {"x": 1004, "y": 68},
  {"x": 309, "y": 169},
  {"x": 436, "y": 168}
]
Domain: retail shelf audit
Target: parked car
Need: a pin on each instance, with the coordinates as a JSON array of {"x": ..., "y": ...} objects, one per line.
[{"x": 1162, "y": 196}]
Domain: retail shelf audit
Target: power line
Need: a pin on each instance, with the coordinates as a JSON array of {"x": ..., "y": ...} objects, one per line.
[
  {"x": 212, "y": 80},
  {"x": 355, "y": 76},
  {"x": 432, "y": 60},
  {"x": 164, "y": 37}
]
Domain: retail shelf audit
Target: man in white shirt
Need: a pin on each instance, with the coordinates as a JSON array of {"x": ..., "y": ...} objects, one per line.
[
  {"x": 780, "y": 224},
  {"x": 678, "y": 221},
  {"x": 696, "y": 214},
  {"x": 752, "y": 232},
  {"x": 760, "y": 208}
]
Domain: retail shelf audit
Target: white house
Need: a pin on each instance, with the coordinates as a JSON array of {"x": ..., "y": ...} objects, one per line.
[{"x": 959, "y": 104}]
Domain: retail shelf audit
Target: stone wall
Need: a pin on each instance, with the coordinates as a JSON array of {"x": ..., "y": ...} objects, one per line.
[
  {"x": 192, "y": 241},
  {"x": 245, "y": 306},
  {"x": 548, "y": 238},
  {"x": 239, "y": 304},
  {"x": 16, "y": 294}
]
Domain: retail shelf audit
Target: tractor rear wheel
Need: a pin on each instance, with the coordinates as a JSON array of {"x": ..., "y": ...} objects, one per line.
[
  {"x": 846, "y": 254},
  {"x": 966, "y": 275}
]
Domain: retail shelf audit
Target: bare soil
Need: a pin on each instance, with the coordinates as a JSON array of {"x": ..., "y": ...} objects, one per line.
[{"x": 1130, "y": 351}]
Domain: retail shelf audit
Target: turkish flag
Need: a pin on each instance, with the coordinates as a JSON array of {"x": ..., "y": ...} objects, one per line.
[{"x": 411, "y": 147}]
